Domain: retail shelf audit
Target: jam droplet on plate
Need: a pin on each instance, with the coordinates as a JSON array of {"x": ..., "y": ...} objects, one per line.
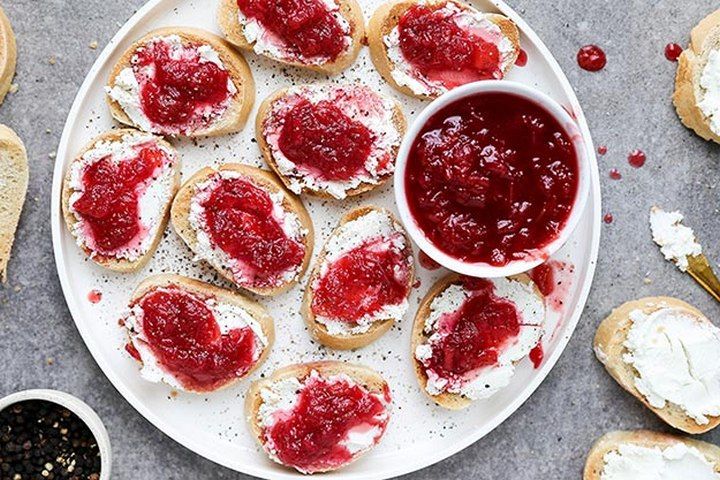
[
  {"x": 608, "y": 218},
  {"x": 94, "y": 296},
  {"x": 637, "y": 158},
  {"x": 673, "y": 51},
  {"x": 591, "y": 58},
  {"x": 615, "y": 174},
  {"x": 426, "y": 262},
  {"x": 522, "y": 58},
  {"x": 537, "y": 355}
]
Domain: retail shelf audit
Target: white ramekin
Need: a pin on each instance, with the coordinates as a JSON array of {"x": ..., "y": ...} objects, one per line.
[
  {"x": 79, "y": 408},
  {"x": 481, "y": 269}
]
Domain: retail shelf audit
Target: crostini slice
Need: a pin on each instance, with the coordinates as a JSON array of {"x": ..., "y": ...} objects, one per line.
[
  {"x": 195, "y": 336},
  {"x": 697, "y": 82},
  {"x": 243, "y": 222},
  {"x": 293, "y": 414},
  {"x": 14, "y": 177},
  {"x": 330, "y": 140},
  {"x": 181, "y": 81},
  {"x": 666, "y": 353},
  {"x": 8, "y": 55},
  {"x": 116, "y": 197},
  {"x": 321, "y": 35},
  {"x": 469, "y": 333},
  {"x": 361, "y": 281},
  {"x": 646, "y": 454},
  {"x": 424, "y": 48}
]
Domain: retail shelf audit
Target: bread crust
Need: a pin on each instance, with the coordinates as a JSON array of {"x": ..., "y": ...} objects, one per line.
[
  {"x": 609, "y": 348},
  {"x": 14, "y": 176},
  {"x": 704, "y": 38},
  {"x": 263, "y": 115},
  {"x": 388, "y": 15},
  {"x": 228, "y": 15},
  {"x": 611, "y": 441},
  {"x": 256, "y": 311},
  {"x": 180, "y": 213},
  {"x": 451, "y": 401},
  {"x": 234, "y": 118},
  {"x": 362, "y": 375},
  {"x": 120, "y": 265},
  {"x": 8, "y": 55},
  {"x": 319, "y": 331}
]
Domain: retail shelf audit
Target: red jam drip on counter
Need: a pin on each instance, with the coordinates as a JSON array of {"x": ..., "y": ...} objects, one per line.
[
  {"x": 637, "y": 158},
  {"x": 608, "y": 218},
  {"x": 240, "y": 221},
  {"x": 673, "y": 51},
  {"x": 309, "y": 436},
  {"x": 602, "y": 150},
  {"x": 474, "y": 335},
  {"x": 184, "y": 336},
  {"x": 109, "y": 203},
  {"x": 615, "y": 174},
  {"x": 306, "y": 27},
  {"x": 321, "y": 139},
  {"x": 362, "y": 281},
  {"x": 182, "y": 90},
  {"x": 433, "y": 43},
  {"x": 591, "y": 58},
  {"x": 492, "y": 178}
]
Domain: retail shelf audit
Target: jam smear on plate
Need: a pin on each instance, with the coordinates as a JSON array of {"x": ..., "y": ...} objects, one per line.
[
  {"x": 591, "y": 58},
  {"x": 492, "y": 178},
  {"x": 426, "y": 262},
  {"x": 522, "y": 58},
  {"x": 537, "y": 355}
]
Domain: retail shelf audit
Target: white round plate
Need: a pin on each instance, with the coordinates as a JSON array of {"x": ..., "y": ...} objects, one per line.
[{"x": 214, "y": 425}]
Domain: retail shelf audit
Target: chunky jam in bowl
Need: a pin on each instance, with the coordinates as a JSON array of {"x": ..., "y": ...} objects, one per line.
[{"x": 492, "y": 178}]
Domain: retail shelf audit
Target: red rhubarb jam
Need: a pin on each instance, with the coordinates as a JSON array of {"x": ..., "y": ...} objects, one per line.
[
  {"x": 183, "y": 334},
  {"x": 307, "y": 29},
  {"x": 435, "y": 44},
  {"x": 109, "y": 203},
  {"x": 310, "y": 436},
  {"x": 241, "y": 219},
  {"x": 492, "y": 178},
  {"x": 179, "y": 89},
  {"x": 363, "y": 280}
]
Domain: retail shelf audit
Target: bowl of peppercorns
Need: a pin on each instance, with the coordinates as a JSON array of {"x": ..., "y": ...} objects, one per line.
[{"x": 51, "y": 435}]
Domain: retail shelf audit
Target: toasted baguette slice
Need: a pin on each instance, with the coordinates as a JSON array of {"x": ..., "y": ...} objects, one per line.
[
  {"x": 363, "y": 376},
  {"x": 264, "y": 115},
  {"x": 378, "y": 328},
  {"x": 609, "y": 348},
  {"x": 254, "y": 309},
  {"x": 704, "y": 38},
  {"x": 234, "y": 118},
  {"x": 387, "y": 17},
  {"x": 229, "y": 20},
  {"x": 451, "y": 401},
  {"x": 181, "y": 219},
  {"x": 595, "y": 463},
  {"x": 121, "y": 265},
  {"x": 13, "y": 187},
  {"x": 8, "y": 55}
]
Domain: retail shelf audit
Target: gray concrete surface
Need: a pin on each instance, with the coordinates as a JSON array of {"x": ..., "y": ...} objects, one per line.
[{"x": 627, "y": 106}]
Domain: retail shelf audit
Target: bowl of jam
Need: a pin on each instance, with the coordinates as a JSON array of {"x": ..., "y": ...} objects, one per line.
[{"x": 492, "y": 178}]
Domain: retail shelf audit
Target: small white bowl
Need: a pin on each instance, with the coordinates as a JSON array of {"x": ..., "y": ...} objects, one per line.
[
  {"x": 481, "y": 269},
  {"x": 79, "y": 408}
]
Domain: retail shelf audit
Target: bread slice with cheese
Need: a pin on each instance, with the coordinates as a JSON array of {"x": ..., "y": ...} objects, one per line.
[
  {"x": 8, "y": 55},
  {"x": 611, "y": 442},
  {"x": 387, "y": 17},
  {"x": 609, "y": 346},
  {"x": 240, "y": 104},
  {"x": 14, "y": 175},
  {"x": 229, "y": 19},
  {"x": 694, "y": 85}
]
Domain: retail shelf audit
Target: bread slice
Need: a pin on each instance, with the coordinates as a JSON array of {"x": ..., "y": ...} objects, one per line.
[
  {"x": 451, "y": 401},
  {"x": 8, "y": 55},
  {"x": 263, "y": 115},
  {"x": 595, "y": 463},
  {"x": 364, "y": 376},
  {"x": 14, "y": 177},
  {"x": 228, "y": 18},
  {"x": 387, "y": 17},
  {"x": 318, "y": 330},
  {"x": 609, "y": 348},
  {"x": 119, "y": 264},
  {"x": 704, "y": 38},
  {"x": 181, "y": 222},
  {"x": 234, "y": 118},
  {"x": 254, "y": 309}
]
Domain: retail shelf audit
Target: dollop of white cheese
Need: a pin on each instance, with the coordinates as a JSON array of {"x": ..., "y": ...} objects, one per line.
[
  {"x": 709, "y": 102},
  {"x": 677, "y": 359},
  {"x": 634, "y": 462},
  {"x": 677, "y": 242}
]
